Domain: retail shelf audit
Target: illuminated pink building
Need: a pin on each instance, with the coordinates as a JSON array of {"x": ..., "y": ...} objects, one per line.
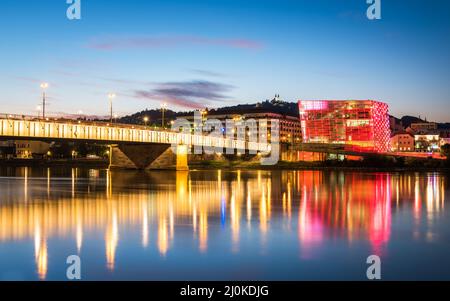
[{"x": 361, "y": 125}]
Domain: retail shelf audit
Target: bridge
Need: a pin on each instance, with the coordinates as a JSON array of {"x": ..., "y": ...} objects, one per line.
[
  {"x": 142, "y": 147},
  {"x": 131, "y": 146}
]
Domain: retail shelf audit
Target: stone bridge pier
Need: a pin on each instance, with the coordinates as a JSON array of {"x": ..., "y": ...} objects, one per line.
[{"x": 148, "y": 156}]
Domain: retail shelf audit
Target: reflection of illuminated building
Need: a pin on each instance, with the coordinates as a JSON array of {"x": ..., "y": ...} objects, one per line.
[
  {"x": 356, "y": 206},
  {"x": 203, "y": 231},
  {"x": 309, "y": 225},
  {"x": 349, "y": 205},
  {"x": 360, "y": 125}
]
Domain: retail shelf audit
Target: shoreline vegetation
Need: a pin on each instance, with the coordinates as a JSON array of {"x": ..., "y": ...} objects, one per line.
[{"x": 375, "y": 163}]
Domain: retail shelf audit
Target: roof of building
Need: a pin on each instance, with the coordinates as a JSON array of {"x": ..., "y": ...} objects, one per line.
[{"x": 401, "y": 133}]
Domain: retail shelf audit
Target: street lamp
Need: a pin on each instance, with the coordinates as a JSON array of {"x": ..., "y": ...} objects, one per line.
[
  {"x": 44, "y": 87},
  {"x": 163, "y": 109},
  {"x": 111, "y": 96},
  {"x": 204, "y": 113},
  {"x": 145, "y": 120}
]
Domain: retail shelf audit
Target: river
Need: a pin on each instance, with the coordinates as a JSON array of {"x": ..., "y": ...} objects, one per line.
[{"x": 223, "y": 225}]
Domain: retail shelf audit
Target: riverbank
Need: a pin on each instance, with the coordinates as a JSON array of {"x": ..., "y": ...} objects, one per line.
[
  {"x": 88, "y": 163},
  {"x": 428, "y": 165},
  {"x": 433, "y": 166}
]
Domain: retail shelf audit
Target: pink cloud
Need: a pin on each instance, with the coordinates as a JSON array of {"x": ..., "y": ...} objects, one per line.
[
  {"x": 194, "y": 94},
  {"x": 177, "y": 41},
  {"x": 177, "y": 101}
]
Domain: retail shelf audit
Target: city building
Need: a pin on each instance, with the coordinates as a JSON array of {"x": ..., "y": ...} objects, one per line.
[
  {"x": 30, "y": 149},
  {"x": 429, "y": 142},
  {"x": 7, "y": 149},
  {"x": 402, "y": 142},
  {"x": 423, "y": 126},
  {"x": 361, "y": 125},
  {"x": 445, "y": 141},
  {"x": 289, "y": 126}
]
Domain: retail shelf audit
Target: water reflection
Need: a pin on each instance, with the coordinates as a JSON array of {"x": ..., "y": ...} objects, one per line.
[{"x": 317, "y": 205}]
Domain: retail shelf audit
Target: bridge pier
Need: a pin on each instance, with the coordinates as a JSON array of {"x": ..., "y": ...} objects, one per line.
[{"x": 148, "y": 156}]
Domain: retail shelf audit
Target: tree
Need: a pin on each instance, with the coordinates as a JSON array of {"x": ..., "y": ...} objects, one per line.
[
  {"x": 62, "y": 150},
  {"x": 445, "y": 151}
]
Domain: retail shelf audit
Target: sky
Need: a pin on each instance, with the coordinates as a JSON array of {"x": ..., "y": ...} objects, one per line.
[{"x": 197, "y": 54}]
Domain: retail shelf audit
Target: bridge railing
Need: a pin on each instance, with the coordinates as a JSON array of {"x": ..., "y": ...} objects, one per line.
[{"x": 64, "y": 120}]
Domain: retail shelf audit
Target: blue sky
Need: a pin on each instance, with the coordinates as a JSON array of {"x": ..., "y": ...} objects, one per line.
[{"x": 202, "y": 53}]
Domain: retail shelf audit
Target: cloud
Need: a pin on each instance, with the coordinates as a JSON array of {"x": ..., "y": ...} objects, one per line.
[
  {"x": 29, "y": 79},
  {"x": 176, "y": 41},
  {"x": 80, "y": 115},
  {"x": 124, "y": 81},
  {"x": 192, "y": 94},
  {"x": 207, "y": 73}
]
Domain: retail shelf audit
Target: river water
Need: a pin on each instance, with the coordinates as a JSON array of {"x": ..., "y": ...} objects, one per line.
[{"x": 223, "y": 225}]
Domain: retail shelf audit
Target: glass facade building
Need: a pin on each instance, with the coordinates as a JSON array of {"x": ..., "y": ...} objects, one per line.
[{"x": 360, "y": 125}]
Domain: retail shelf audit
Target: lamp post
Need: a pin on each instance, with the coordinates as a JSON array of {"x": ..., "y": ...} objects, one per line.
[
  {"x": 145, "y": 120},
  {"x": 163, "y": 109},
  {"x": 111, "y": 96},
  {"x": 44, "y": 87},
  {"x": 204, "y": 112}
]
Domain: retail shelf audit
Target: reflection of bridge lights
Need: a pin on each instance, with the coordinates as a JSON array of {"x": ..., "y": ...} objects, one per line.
[
  {"x": 40, "y": 252},
  {"x": 112, "y": 239},
  {"x": 235, "y": 222},
  {"x": 144, "y": 224},
  {"x": 163, "y": 236},
  {"x": 249, "y": 204},
  {"x": 79, "y": 235},
  {"x": 203, "y": 231},
  {"x": 263, "y": 213}
]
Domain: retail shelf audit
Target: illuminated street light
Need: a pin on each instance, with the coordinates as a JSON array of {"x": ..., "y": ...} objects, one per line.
[
  {"x": 111, "y": 96},
  {"x": 204, "y": 112},
  {"x": 163, "y": 109},
  {"x": 44, "y": 87},
  {"x": 146, "y": 120}
]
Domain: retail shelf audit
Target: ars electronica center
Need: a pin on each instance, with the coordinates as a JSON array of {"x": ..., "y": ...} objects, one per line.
[{"x": 361, "y": 125}]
